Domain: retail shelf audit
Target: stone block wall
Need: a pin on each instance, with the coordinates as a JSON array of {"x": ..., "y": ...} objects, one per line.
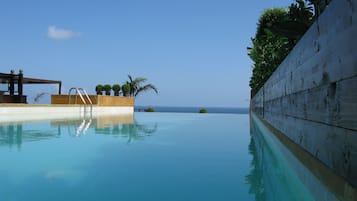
[{"x": 312, "y": 96}]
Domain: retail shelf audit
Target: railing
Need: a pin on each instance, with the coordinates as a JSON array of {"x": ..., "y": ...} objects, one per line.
[
  {"x": 83, "y": 127},
  {"x": 80, "y": 92}
]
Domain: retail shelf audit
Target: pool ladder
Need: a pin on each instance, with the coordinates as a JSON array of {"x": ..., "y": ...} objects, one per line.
[
  {"x": 83, "y": 127},
  {"x": 82, "y": 93}
]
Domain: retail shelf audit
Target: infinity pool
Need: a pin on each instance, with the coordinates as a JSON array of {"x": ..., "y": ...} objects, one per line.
[{"x": 154, "y": 156}]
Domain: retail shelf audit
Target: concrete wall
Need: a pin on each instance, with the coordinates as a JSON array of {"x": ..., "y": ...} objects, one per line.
[
  {"x": 282, "y": 162},
  {"x": 312, "y": 96}
]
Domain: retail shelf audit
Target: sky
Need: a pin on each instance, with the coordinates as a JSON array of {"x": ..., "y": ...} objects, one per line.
[{"x": 193, "y": 51}]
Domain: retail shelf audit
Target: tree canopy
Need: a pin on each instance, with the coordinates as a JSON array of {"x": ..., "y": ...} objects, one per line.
[{"x": 278, "y": 31}]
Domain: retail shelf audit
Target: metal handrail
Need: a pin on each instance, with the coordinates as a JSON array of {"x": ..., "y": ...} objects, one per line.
[
  {"x": 78, "y": 92},
  {"x": 85, "y": 93},
  {"x": 69, "y": 95}
]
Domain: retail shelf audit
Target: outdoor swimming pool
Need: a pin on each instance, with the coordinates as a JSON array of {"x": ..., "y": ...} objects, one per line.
[{"x": 154, "y": 156}]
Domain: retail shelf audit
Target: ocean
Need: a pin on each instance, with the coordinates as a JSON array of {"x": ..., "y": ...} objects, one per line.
[{"x": 225, "y": 110}]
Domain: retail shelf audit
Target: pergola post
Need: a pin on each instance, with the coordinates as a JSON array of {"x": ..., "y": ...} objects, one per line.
[
  {"x": 20, "y": 83},
  {"x": 12, "y": 83},
  {"x": 59, "y": 87}
]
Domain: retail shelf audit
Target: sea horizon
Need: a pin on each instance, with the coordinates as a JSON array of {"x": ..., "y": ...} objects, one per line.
[{"x": 194, "y": 109}]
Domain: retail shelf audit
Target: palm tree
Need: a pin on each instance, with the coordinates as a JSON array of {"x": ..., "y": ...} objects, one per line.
[{"x": 136, "y": 86}]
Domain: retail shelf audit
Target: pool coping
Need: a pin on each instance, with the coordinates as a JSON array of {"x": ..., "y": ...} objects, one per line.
[{"x": 23, "y": 112}]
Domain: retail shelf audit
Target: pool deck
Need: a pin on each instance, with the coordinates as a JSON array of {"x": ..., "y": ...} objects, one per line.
[{"x": 23, "y": 112}]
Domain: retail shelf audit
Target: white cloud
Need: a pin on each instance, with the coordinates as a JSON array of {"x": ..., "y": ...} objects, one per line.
[{"x": 61, "y": 34}]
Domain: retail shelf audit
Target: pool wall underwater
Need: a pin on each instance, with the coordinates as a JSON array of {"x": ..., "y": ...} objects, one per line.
[
  {"x": 283, "y": 163},
  {"x": 312, "y": 96}
]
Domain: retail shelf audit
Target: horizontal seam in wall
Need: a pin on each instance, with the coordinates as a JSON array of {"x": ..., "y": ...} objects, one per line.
[
  {"x": 319, "y": 122},
  {"x": 312, "y": 88}
]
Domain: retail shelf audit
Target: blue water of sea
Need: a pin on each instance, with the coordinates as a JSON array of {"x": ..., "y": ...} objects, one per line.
[
  {"x": 148, "y": 156},
  {"x": 175, "y": 109}
]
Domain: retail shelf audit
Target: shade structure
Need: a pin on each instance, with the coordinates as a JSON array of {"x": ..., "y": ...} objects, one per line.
[{"x": 11, "y": 79}]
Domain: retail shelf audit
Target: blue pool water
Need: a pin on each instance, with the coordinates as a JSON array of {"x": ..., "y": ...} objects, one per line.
[{"x": 155, "y": 156}]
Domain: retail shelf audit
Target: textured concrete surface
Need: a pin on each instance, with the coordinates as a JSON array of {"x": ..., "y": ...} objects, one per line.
[
  {"x": 312, "y": 96},
  {"x": 276, "y": 155}
]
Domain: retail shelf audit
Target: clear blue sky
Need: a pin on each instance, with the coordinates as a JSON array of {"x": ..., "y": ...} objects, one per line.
[{"x": 194, "y": 51}]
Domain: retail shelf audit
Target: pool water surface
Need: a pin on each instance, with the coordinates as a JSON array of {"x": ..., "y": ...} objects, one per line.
[{"x": 153, "y": 156}]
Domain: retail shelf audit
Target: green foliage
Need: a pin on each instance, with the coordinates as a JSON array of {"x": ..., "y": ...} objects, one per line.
[
  {"x": 136, "y": 86},
  {"x": 268, "y": 52},
  {"x": 99, "y": 89},
  {"x": 126, "y": 89},
  {"x": 270, "y": 19},
  {"x": 132, "y": 87},
  {"x": 277, "y": 33},
  {"x": 203, "y": 110},
  {"x": 107, "y": 88},
  {"x": 116, "y": 89},
  {"x": 300, "y": 19},
  {"x": 149, "y": 109}
]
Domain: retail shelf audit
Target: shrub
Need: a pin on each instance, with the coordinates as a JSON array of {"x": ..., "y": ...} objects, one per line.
[
  {"x": 149, "y": 109},
  {"x": 126, "y": 90},
  {"x": 116, "y": 89},
  {"x": 277, "y": 33},
  {"x": 107, "y": 89},
  {"x": 99, "y": 89},
  {"x": 203, "y": 110}
]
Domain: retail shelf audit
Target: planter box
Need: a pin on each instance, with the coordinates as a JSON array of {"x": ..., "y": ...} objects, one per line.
[{"x": 97, "y": 100}]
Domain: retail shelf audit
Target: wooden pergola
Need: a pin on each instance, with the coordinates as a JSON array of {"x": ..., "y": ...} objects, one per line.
[{"x": 11, "y": 79}]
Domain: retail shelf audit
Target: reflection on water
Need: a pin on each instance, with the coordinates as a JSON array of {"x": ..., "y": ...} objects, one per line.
[
  {"x": 11, "y": 135},
  {"x": 133, "y": 131},
  {"x": 117, "y": 126},
  {"x": 280, "y": 170},
  {"x": 255, "y": 178},
  {"x": 183, "y": 157},
  {"x": 271, "y": 178},
  {"x": 15, "y": 135}
]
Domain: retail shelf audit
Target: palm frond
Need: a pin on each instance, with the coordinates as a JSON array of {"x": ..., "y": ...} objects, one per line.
[
  {"x": 140, "y": 79},
  {"x": 146, "y": 88},
  {"x": 130, "y": 78},
  {"x": 136, "y": 85}
]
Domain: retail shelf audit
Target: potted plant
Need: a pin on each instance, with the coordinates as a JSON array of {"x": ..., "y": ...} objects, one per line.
[
  {"x": 99, "y": 89},
  {"x": 107, "y": 88},
  {"x": 126, "y": 90},
  {"x": 116, "y": 89}
]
